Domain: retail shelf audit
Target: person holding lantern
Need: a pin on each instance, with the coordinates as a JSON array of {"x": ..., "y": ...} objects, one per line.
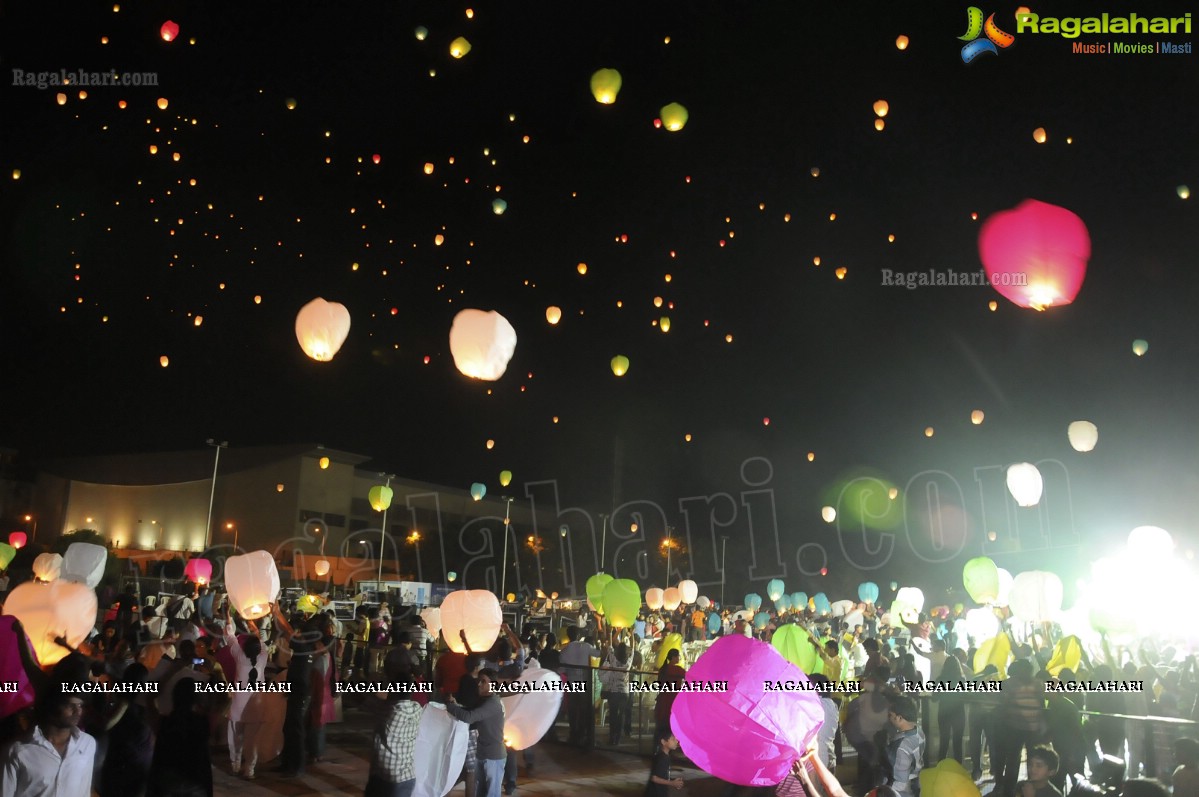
[{"x": 489, "y": 719}]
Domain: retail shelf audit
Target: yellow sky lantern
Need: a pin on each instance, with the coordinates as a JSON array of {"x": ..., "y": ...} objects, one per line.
[
  {"x": 553, "y": 314},
  {"x": 880, "y": 108},
  {"x": 324, "y": 463},
  {"x": 459, "y": 47},
  {"x": 674, "y": 117},
  {"x": 605, "y": 85},
  {"x": 620, "y": 365},
  {"x": 581, "y": 268},
  {"x": 664, "y": 323},
  {"x": 976, "y": 417},
  {"x": 811, "y": 456},
  {"x": 291, "y": 103},
  {"x": 901, "y": 42},
  {"x": 428, "y": 168},
  {"x": 438, "y": 239}
]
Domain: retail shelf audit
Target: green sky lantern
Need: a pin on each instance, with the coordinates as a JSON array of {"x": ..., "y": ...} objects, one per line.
[
  {"x": 620, "y": 365},
  {"x": 505, "y": 478},
  {"x": 605, "y": 85},
  {"x": 7, "y": 552},
  {"x": 775, "y": 589},
  {"x": 595, "y": 591},
  {"x": 980, "y": 576},
  {"x": 498, "y": 206},
  {"x": 674, "y": 117},
  {"x": 380, "y": 497},
  {"x": 1139, "y": 347},
  {"x": 478, "y": 490},
  {"x": 421, "y": 33},
  {"x": 795, "y": 643},
  {"x": 622, "y": 601}
]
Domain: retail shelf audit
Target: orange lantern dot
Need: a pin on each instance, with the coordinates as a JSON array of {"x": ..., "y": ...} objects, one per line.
[
  {"x": 879, "y": 124},
  {"x": 901, "y": 42},
  {"x": 428, "y": 168},
  {"x": 993, "y": 305},
  {"x": 811, "y": 456},
  {"x": 60, "y": 98},
  {"x": 163, "y": 103},
  {"x": 257, "y": 300},
  {"x": 581, "y": 268},
  {"x": 1040, "y": 136},
  {"x": 164, "y": 361}
]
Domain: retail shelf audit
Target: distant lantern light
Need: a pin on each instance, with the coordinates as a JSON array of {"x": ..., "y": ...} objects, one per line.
[
  {"x": 60, "y": 98},
  {"x": 879, "y": 125},
  {"x": 163, "y": 103},
  {"x": 893, "y": 493},
  {"x": 977, "y": 417},
  {"x": 1040, "y": 136},
  {"x": 438, "y": 239},
  {"x": 482, "y": 342},
  {"x": 929, "y": 431},
  {"x": 824, "y": 571},
  {"x": 901, "y": 42},
  {"x": 290, "y": 103},
  {"x": 279, "y": 487},
  {"x": 1083, "y": 435},
  {"x": 164, "y": 361},
  {"x": 829, "y": 514},
  {"x": 380, "y": 497},
  {"x": 664, "y": 323},
  {"x": 992, "y": 305},
  {"x": 673, "y": 116},
  {"x": 169, "y": 31},
  {"x": 198, "y": 571},
  {"x": 605, "y": 85},
  {"x": 811, "y": 456},
  {"x": 478, "y": 490},
  {"x": 376, "y": 158},
  {"x": 459, "y": 47},
  {"x": 324, "y": 463},
  {"x": 451, "y": 576},
  {"x": 1139, "y": 347},
  {"x": 490, "y": 444},
  {"x": 553, "y": 314},
  {"x": 428, "y": 168},
  {"x": 1183, "y": 192},
  {"x": 1025, "y": 484},
  {"x": 421, "y": 33},
  {"x": 321, "y": 328},
  {"x": 620, "y": 365},
  {"x": 1035, "y": 255},
  {"x": 881, "y": 108},
  {"x": 581, "y": 268},
  {"x": 498, "y": 206}
]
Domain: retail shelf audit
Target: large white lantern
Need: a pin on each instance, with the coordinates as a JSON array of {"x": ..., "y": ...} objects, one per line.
[
  {"x": 1005, "y": 587},
  {"x": 321, "y": 568},
  {"x": 482, "y": 343},
  {"x": 432, "y": 617},
  {"x": 1150, "y": 543},
  {"x": 981, "y": 624},
  {"x": 1036, "y": 596},
  {"x": 689, "y": 590},
  {"x": 671, "y": 598},
  {"x": 47, "y": 566},
  {"x": 321, "y": 328},
  {"x": 475, "y": 611},
  {"x": 653, "y": 598},
  {"x": 1083, "y": 435},
  {"x": 703, "y": 601},
  {"x": 252, "y": 581},
  {"x": 908, "y": 604},
  {"x": 1024, "y": 483},
  {"x": 84, "y": 562},
  {"x": 528, "y": 715},
  {"x": 64, "y": 609}
]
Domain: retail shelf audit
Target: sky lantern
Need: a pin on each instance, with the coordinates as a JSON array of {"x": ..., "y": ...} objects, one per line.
[
  {"x": 482, "y": 342},
  {"x": 163, "y": 102},
  {"x": 980, "y": 576},
  {"x": 582, "y": 269},
  {"x": 688, "y": 591},
  {"x": 1139, "y": 347},
  {"x": 908, "y": 603},
  {"x": 868, "y": 592},
  {"x": 553, "y": 314},
  {"x": 64, "y": 609},
  {"x": 380, "y": 497},
  {"x": 459, "y": 47},
  {"x": 198, "y": 571},
  {"x": 1083, "y": 435},
  {"x": 622, "y": 601},
  {"x": 752, "y": 601},
  {"x": 828, "y": 514},
  {"x": 321, "y": 328},
  {"x": 1183, "y": 192},
  {"x": 1039, "y": 135},
  {"x": 290, "y": 103},
  {"x": 84, "y": 562},
  {"x": 671, "y": 641},
  {"x": 47, "y": 566},
  {"x": 324, "y": 463},
  {"x": 671, "y": 598},
  {"x": 605, "y": 85},
  {"x": 674, "y": 117},
  {"x": 595, "y": 590},
  {"x": 478, "y": 490},
  {"x": 1036, "y": 596},
  {"x": 821, "y": 603},
  {"x": 774, "y": 729},
  {"x": 947, "y": 779},
  {"x": 17, "y": 539},
  {"x": 1044, "y": 247},
  {"x": 169, "y": 31},
  {"x": 1024, "y": 483},
  {"x": 7, "y": 552},
  {"x": 505, "y": 478},
  {"x": 977, "y": 417},
  {"x": 654, "y": 597},
  {"x": 321, "y": 568},
  {"x": 880, "y": 124},
  {"x": 490, "y": 444},
  {"x": 783, "y": 603},
  {"x": 498, "y": 206},
  {"x": 664, "y": 323},
  {"x": 901, "y": 42},
  {"x": 252, "y": 581},
  {"x": 474, "y": 611},
  {"x": 528, "y": 715},
  {"x": 432, "y": 617},
  {"x": 164, "y": 361},
  {"x": 799, "y": 600},
  {"x": 794, "y": 643},
  {"x": 775, "y": 589},
  {"x": 880, "y": 108},
  {"x": 421, "y": 33},
  {"x": 620, "y": 365}
]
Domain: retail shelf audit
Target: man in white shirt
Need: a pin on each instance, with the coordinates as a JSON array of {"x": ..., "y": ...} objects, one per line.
[
  {"x": 576, "y": 668},
  {"x": 55, "y": 759}
]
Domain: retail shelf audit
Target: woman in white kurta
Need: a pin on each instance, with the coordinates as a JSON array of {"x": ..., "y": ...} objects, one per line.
[{"x": 245, "y": 712}]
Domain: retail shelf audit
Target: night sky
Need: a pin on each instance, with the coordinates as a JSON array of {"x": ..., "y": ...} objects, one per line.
[{"x": 109, "y": 252}]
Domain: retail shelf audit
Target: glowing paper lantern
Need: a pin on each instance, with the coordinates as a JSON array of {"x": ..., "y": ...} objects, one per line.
[
  {"x": 1005, "y": 587},
  {"x": 1043, "y": 247},
  {"x": 12, "y": 671},
  {"x": 528, "y": 715},
  {"x": 773, "y": 729},
  {"x": 310, "y": 604},
  {"x": 321, "y": 328},
  {"x": 976, "y": 417},
  {"x": 880, "y": 108},
  {"x": 1066, "y": 653},
  {"x": 760, "y": 620},
  {"x": 168, "y": 31},
  {"x": 252, "y": 582},
  {"x": 505, "y": 478},
  {"x": 84, "y": 562},
  {"x": 782, "y": 603},
  {"x": 980, "y": 576},
  {"x": 1083, "y": 435},
  {"x": 689, "y": 591},
  {"x": 498, "y": 206},
  {"x": 774, "y": 589},
  {"x": 947, "y": 779},
  {"x": 901, "y": 42},
  {"x": 1024, "y": 483},
  {"x": 671, "y": 641},
  {"x": 475, "y": 611},
  {"x": 1150, "y": 543},
  {"x": 622, "y": 601},
  {"x": 981, "y": 624},
  {"x": 1139, "y": 347},
  {"x": 828, "y": 514},
  {"x": 674, "y": 117},
  {"x": 1184, "y": 192},
  {"x": 908, "y": 604},
  {"x": 620, "y": 365},
  {"x": 752, "y": 601},
  {"x": 64, "y": 609},
  {"x": 477, "y": 491},
  {"x": 703, "y": 601},
  {"x": 482, "y": 343},
  {"x": 421, "y": 33},
  {"x": 671, "y": 598},
  {"x": 799, "y": 601},
  {"x": 164, "y": 361},
  {"x": 654, "y": 597},
  {"x": 324, "y": 463},
  {"x": 605, "y": 85},
  {"x": 1036, "y": 596},
  {"x": 7, "y": 552},
  {"x": 198, "y": 571},
  {"x": 47, "y": 566},
  {"x": 432, "y": 617},
  {"x": 321, "y": 568},
  {"x": 595, "y": 590},
  {"x": 553, "y": 314},
  {"x": 997, "y": 650},
  {"x": 820, "y": 601},
  {"x": 868, "y": 592},
  {"x": 1040, "y": 136},
  {"x": 664, "y": 323},
  {"x": 380, "y": 497},
  {"x": 459, "y": 47}
]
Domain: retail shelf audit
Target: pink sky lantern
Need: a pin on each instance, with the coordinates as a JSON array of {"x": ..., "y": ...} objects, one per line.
[
  {"x": 475, "y": 611},
  {"x": 59, "y": 609},
  {"x": 169, "y": 31},
  {"x": 762, "y": 733},
  {"x": 198, "y": 571},
  {"x": 17, "y": 539},
  {"x": 12, "y": 671},
  {"x": 1036, "y": 255},
  {"x": 528, "y": 715}
]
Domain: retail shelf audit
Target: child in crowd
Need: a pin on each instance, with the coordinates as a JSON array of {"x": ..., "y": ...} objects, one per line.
[
  {"x": 659, "y": 776},
  {"x": 1042, "y": 765}
]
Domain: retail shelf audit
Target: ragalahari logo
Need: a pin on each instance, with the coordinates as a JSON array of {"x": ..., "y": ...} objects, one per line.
[{"x": 995, "y": 40}]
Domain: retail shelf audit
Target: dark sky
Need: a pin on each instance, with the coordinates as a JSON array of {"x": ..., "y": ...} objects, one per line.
[{"x": 848, "y": 369}]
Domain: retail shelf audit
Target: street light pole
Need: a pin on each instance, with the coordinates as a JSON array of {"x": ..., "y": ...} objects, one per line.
[
  {"x": 669, "y": 545},
  {"x": 212, "y": 493},
  {"x": 33, "y": 532},
  {"x": 382, "y": 537},
  {"x": 603, "y": 542},
  {"x": 724, "y": 560},
  {"x": 504, "y": 562}
]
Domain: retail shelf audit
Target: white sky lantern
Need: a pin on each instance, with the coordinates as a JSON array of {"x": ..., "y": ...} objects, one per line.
[
  {"x": 528, "y": 715},
  {"x": 47, "y": 566},
  {"x": 703, "y": 601},
  {"x": 1025, "y": 484},
  {"x": 671, "y": 599},
  {"x": 1036, "y": 596},
  {"x": 1150, "y": 543},
  {"x": 84, "y": 562},
  {"x": 321, "y": 568},
  {"x": 64, "y": 609},
  {"x": 1083, "y": 435},
  {"x": 829, "y": 514},
  {"x": 321, "y": 328},
  {"x": 908, "y": 604},
  {"x": 653, "y": 598},
  {"x": 432, "y": 617},
  {"x": 482, "y": 343},
  {"x": 981, "y": 624},
  {"x": 252, "y": 581},
  {"x": 475, "y": 611},
  {"x": 689, "y": 590},
  {"x": 1005, "y": 587},
  {"x": 841, "y": 608}
]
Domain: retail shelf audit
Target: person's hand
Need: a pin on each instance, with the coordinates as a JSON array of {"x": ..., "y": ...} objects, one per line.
[{"x": 677, "y": 783}]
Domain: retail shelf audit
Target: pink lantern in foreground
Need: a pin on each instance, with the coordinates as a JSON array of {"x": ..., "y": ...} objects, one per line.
[
  {"x": 475, "y": 611},
  {"x": 169, "y": 31},
  {"x": 12, "y": 671},
  {"x": 654, "y": 597},
  {"x": 59, "y": 609},
  {"x": 17, "y": 539},
  {"x": 198, "y": 571},
  {"x": 528, "y": 715},
  {"x": 252, "y": 581},
  {"x": 1035, "y": 255},
  {"x": 763, "y": 733}
]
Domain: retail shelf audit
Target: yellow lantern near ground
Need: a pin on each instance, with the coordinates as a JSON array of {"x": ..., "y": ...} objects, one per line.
[
  {"x": 674, "y": 117},
  {"x": 605, "y": 85},
  {"x": 321, "y": 328}
]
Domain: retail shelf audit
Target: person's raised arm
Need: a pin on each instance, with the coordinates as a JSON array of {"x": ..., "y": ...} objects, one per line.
[
  {"x": 284, "y": 626},
  {"x": 829, "y": 784}
]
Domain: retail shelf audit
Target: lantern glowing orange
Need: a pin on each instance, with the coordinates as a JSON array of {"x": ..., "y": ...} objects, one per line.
[
  {"x": 473, "y": 611},
  {"x": 198, "y": 571},
  {"x": 321, "y": 568},
  {"x": 252, "y": 581},
  {"x": 482, "y": 342},
  {"x": 880, "y": 108},
  {"x": 47, "y": 566},
  {"x": 901, "y": 42},
  {"x": 321, "y": 328},
  {"x": 553, "y": 314},
  {"x": 1040, "y": 136},
  {"x": 1035, "y": 255},
  {"x": 324, "y": 463},
  {"x": 169, "y": 31},
  {"x": 64, "y": 609},
  {"x": 654, "y": 597}
]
